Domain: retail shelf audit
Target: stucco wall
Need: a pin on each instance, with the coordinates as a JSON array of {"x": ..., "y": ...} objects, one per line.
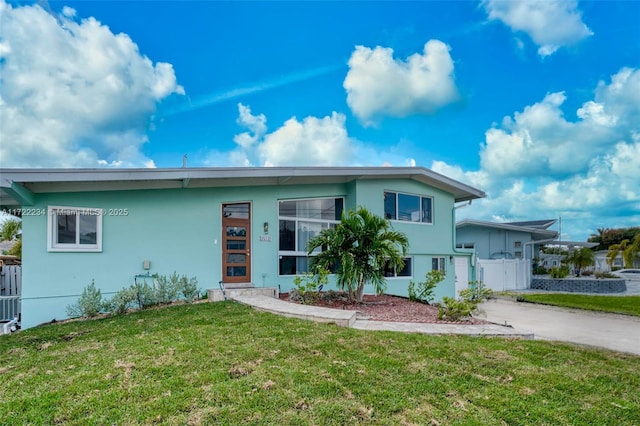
[
  {"x": 180, "y": 230},
  {"x": 492, "y": 243}
]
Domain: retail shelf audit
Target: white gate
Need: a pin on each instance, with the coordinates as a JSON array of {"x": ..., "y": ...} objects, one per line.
[
  {"x": 505, "y": 274},
  {"x": 10, "y": 291}
]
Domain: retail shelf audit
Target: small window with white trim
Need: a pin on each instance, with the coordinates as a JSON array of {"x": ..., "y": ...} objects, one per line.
[
  {"x": 438, "y": 264},
  {"x": 74, "y": 229}
]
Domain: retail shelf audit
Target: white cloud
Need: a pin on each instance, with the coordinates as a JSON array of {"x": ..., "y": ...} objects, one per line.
[
  {"x": 311, "y": 141},
  {"x": 378, "y": 85},
  {"x": 540, "y": 140},
  {"x": 73, "y": 93},
  {"x": 541, "y": 165},
  {"x": 257, "y": 125},
  {"x": 551, "y": 24}
]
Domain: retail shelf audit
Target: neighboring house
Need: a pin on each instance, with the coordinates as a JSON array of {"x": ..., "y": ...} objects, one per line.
[
  {"x": 239, "y": 226},
  {"x": 505, "y": 251},
  {"x": 550, "y": 260},
  {"x": 603, "y": 265},
  {"x": 510, "y": 240}
]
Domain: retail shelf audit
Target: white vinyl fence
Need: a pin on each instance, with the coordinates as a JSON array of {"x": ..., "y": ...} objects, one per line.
[
  {"x": 505, "y": 274},
  {"x": 10, "y": 291}
]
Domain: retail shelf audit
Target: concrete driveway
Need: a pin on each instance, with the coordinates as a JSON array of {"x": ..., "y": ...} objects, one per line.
[{"x": 616, "y": 332}]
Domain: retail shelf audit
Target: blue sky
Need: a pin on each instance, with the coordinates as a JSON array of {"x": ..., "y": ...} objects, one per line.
[{"x": 536, "y": 103}]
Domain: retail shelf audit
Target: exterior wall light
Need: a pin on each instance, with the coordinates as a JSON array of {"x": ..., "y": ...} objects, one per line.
[{"x": 266, "y": 228}]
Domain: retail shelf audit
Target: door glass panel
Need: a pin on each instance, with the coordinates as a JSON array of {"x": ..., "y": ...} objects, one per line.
[
  {"x": 236, "y": 231},
  {"x": 236, "y": 244},
  {"x": 236, "y": 258},
  {"x": 236, "y": 271},
  {"x": 236, "y": 211}
]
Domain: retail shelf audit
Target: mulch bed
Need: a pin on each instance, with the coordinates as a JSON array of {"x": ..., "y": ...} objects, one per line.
[{"x": 385, "y": 308}]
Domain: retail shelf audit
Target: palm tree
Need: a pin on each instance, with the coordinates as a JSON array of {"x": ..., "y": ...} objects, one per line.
[
  {"x": 358, "y": 249},
  {"x": 581, "y": 258},
  {"x": 616, "y": 249},
  {"x": 10, "y": 230},
  {"x": 629, "y": 249}
]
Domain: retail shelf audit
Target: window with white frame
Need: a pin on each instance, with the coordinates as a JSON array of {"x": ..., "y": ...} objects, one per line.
[
  {"x": 300, "y": 221},
  {"x": 465, "y": 245},
  {"x": 74, "y": 229},
  {"x": 406, "y": 271},
  {"x": 408, "y": 207},
  {"x": 438, "y": 264}
]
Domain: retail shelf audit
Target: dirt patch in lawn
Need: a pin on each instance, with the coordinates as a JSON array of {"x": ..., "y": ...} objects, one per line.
[{"x": 384, "y": 308}]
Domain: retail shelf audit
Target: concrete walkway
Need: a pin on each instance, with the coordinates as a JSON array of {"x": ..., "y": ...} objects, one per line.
[
  {"x": 611, "y": 331},
  {"x": 348, "y": 318}
]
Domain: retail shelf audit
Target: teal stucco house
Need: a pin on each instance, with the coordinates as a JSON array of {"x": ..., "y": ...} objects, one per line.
[{"x": 240, "y": 226}]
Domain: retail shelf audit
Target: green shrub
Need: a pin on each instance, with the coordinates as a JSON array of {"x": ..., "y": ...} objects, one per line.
[
  {"x": 601, "y": 275},
  {"x": 145, "y": 295},
  {"x": 121, "y": 301},
  {"x": 540, "y": 270},
  {"x": 424, "y": 290},
  {"x": 456, "y": 309},
  {"x": 476, "y": 292},
  {"x": 189, "y": 288},
  {"x": 89, "y": 304},
  {"x": 560, "y": 272},
  {"x": 16, "y": 250},
  {"x": 167, "y": 288},
  {"x": 307, "y": 285},
  {"x": 164, "y": 291}
]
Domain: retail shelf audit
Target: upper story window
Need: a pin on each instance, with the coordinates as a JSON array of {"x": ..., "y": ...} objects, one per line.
[
  {"x": 74, "y": 229},
  {"x": 300, "y": 221},
  {"x": 407, "y": 207},
  {"x": 465, "y": 245}
]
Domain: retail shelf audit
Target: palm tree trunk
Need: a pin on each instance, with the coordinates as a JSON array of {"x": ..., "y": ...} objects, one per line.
[{"x": 360, "y": 292}]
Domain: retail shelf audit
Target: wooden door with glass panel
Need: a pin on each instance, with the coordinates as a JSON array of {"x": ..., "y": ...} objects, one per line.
[{"x": 236, "y": 243}]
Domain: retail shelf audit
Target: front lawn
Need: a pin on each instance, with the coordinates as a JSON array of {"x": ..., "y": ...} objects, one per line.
[
  {"x": 629, "y": 305},
  {"x": 223, "y": 363}
]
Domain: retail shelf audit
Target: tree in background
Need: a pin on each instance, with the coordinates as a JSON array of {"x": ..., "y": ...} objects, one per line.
[
  {"x": 10, "y": 230},
  {"x": 630, "y": 250},
  {"x": 358, "y": 249},
  {"x": 607, "y": 237},
  {"x": 581, "y": 258}
]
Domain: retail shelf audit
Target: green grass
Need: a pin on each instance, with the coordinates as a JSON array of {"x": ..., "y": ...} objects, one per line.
[
  {"x": 628, "y": 305},
  {"x": 223, "y": 363}
]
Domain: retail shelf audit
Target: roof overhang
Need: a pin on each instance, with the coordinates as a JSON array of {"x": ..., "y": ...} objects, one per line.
[
  {"x": 17, "y": 186},
  {"x": 537, "y": 234}
]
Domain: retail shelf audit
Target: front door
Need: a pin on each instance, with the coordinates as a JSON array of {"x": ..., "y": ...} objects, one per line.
[{"x": 236, "y": 243}]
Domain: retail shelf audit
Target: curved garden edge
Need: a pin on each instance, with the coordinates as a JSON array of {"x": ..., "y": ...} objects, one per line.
[{"x": 386, "y": 308}]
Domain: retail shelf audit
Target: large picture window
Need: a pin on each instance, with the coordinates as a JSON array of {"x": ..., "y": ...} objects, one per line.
[
  {"x": 300, "y": 221},
  {"x": 407, "y": 207},
  {"x": 74, "y": 229}
]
